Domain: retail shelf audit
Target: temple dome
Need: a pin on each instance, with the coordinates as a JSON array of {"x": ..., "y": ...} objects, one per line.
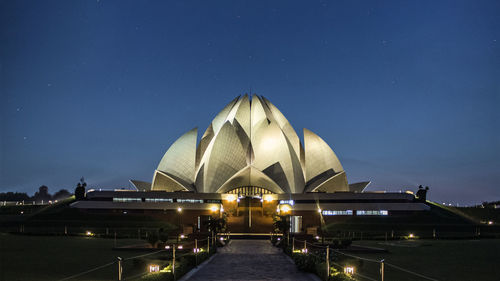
[{"x": 250, "y": 143}]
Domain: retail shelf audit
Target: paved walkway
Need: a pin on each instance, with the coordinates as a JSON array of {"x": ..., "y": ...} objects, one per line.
[{"x": 250, "y": 260}]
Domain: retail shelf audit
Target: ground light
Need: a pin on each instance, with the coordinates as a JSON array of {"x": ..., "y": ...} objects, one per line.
[
  {"x": 167, "y": 247},
  {"x": 154, "y": 268},
  {"x": 490, "y": 222},
  {"x": 89, "y": 233},
  {"x": 179, "y": 209},
  {"x": 411, "y": 235},
  {"x": 214, "y": 208},
  {"x": 349, "y": 270},
  {"x": 180, "y": 247},
  {"x": 182, "y": 236}
]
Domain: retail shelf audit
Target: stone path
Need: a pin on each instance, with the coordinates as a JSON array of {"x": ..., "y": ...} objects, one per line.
[{"x": 250, "y": 260}]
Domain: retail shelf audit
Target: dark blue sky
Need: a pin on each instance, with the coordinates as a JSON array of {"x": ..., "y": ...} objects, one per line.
[{"x": 405, "y": 92}]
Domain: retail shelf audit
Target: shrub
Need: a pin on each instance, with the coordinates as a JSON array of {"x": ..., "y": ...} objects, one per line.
[
  {"x": 158, "y": 276},
  {"x": 306, "y": 262}
]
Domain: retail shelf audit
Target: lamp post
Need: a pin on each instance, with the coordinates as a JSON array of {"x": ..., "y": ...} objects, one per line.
[{"x": 179, "y": 211}]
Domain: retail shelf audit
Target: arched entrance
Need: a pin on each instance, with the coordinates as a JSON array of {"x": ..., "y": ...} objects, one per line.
[{"x": 250, "y": 209}]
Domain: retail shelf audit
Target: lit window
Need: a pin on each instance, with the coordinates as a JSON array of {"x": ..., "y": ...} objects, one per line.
[
  {"x": 189, "y": 201},
  {"x": 117, "y": 199},
  {"x": 289, "y": 202},
  {"x": 337, "y": 213},
  {"x": 159, "y": 200},
  {"x": 372, "y": 213}
]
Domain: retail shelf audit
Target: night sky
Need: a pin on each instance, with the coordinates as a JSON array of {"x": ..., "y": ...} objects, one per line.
[{"x": 405, "y": 92}]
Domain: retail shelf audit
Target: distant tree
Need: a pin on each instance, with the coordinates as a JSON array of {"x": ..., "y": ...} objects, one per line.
[
  {"x": 14, "y": 196},
  {"x": 61, "y": 194},
  {"x": 42, "y": 194},
  {"x": 80, "y": 189}
]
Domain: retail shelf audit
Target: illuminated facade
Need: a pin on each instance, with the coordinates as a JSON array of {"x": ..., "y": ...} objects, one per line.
[{"x": 250, "y": 165}]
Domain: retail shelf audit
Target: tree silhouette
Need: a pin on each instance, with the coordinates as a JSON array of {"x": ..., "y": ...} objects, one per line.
[{"x": 80, "y": 190}]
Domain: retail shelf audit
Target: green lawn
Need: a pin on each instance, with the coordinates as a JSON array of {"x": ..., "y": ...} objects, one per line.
[
  {"x": 457, "y": 260},
  {"x": 55, "y": 257}
]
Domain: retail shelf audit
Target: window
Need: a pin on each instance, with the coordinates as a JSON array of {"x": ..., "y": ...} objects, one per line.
[
  {"x": 295, "y": 224},
  {"x": 337, "y": 213},
  {"x": 289, "y": 202},
  {"x": 372, "y": 212},
  {"x": 155, "y": 200},
  {"x": 117, "y": 199},
  {"x": 189, "y": 201}
]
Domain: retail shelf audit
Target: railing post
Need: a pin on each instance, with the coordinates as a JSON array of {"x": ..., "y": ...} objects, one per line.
[
  {"x": 173, "y": 260},
  {"x": 120, "y": 269},
  {"x": 305, "y": 246},
  {"x": 327, "y": 262},
  {"x": 382, "y": 270},
  {"x": 208, "y": 245},
  {"x": 196, "y": 251},
  {"x": 293, "y": 244}
]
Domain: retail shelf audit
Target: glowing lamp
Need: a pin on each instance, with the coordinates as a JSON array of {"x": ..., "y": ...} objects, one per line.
[
  {"x": 222, "y": 239},
  {"x": 268, "y": 198},
  {"x": 285, "y": 208},
  {"x": 349, "y": 270},
  {"x": 180, "y": 247},
  {"x": 214, "y": 209},
  {"x": 279, "y": 239},
  {"x": 182, "y": 236},
  {"x": 89, "y": 233},
  {"x": 411, "y": 235},
  {"x": 167, "y": 247},
  {"x": 179, "y": 209},
  {"x": 231, "y": 198},
  {"x": 196, "y": 250},
  {"x": 319, "y": 210},
  {"x": 154, "y": 268},
  {"x": 304, "y": 251},
  {"x": 490, "y": 222},
  {"x": 317, "y": 237}
]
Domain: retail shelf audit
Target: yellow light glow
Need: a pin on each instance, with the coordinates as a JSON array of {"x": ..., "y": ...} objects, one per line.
[
  {"x": 304, "y": 251},
  {"x": 89, "y": 233},
  {"x": 349, "y": 270},
  {"x": 167, "y": 247},
  {"x": 490, "y": 222},
  {"x": 268, "y": 198},
  {"x": 180, "y": 247},
  {"x": 182, "y": 236},
  {"x": 319, "y": 210},
  {"x": 154, "y": 268},
  {"x": 231, "y": 198},
  {"x": 411, "y": 235},
  {"x": 285, "y": 208},
  {"x": 179, "y": 209},
  {"x": 214, "y": 209}
]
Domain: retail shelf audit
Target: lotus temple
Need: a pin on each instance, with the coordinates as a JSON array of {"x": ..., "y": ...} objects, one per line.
[{"x": 250, "y": 165}]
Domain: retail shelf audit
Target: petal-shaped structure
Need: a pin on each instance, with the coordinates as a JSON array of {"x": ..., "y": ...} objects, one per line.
[
  {"x": 180, "y": 159},
  {"x": 251, "y": 143},
  {"x": 224, "y": 157},
  {"x": 319, "y": 157}
]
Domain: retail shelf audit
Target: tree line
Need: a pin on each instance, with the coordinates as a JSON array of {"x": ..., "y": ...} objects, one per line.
[{"x": 41, "y": 195}]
